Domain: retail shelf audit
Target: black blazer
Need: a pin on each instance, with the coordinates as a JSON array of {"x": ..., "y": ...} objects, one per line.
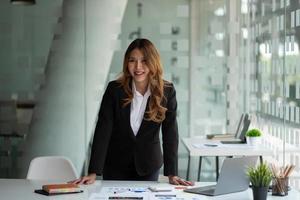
[{"x": 115, "y": 146}]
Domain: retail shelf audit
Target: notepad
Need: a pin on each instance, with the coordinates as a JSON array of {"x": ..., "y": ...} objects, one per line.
[{"x": 55, "y": 189}]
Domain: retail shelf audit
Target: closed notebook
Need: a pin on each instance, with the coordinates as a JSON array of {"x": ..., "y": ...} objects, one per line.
[
  {"x": 61, "y": 188},
  {"x": 220, "y": 136}
]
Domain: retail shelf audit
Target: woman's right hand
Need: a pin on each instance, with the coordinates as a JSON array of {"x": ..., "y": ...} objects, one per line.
[{"x": 89, "y": 179}]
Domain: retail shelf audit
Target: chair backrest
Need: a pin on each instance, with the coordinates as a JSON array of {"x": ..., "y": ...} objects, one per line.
[{"x": 51, "y": 168}]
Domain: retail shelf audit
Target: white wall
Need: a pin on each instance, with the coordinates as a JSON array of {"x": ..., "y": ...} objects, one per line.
[{"x": 67, "y": 106}]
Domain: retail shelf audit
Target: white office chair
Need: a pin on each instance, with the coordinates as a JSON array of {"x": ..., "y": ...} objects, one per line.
[{"x": 51, "y": 168}]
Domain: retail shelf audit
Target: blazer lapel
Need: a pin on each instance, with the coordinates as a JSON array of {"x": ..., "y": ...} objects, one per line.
[
  {"x": 144, "y": 122},
  {"x": 126, "y": 113},
  {"x": 127, "y": 116}
]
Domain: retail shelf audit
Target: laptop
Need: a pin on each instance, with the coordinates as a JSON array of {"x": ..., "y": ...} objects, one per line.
[
  {"x": 232, "y": 177},
  {"x": 241, "y": 131}
]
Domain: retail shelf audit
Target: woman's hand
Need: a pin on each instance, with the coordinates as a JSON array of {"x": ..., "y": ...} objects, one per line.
[
  {"x": 175, "y": 180},
  {"x": 90, "y": 179}
]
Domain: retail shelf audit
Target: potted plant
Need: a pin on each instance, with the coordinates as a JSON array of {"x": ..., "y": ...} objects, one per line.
[
  {"x": 260, "y": 178},
  {"x": 253, "y": 137}
]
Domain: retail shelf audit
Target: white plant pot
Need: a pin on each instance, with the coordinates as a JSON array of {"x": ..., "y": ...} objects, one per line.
[{"x": 253, "y": 141}]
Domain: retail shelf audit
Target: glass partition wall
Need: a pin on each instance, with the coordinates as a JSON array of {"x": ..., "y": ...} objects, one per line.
[
  {"x": 225, "y": 57},
  {"x": 268, "y": 55},
  {"x": 273, "y": 28}
]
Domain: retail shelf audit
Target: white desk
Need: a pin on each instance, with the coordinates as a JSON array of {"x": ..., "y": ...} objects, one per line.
[
  {"x": 21, "y": 189},
  {"x": 196, "y": 148}
]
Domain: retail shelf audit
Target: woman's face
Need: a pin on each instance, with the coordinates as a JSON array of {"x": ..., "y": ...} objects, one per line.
[{"x": 137, "y": 67}]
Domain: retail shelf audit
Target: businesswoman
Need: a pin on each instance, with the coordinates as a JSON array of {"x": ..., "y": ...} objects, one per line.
[{"x": 134, "y": 107}]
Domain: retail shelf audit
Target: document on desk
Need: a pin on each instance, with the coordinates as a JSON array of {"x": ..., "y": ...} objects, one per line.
[
  {"x": 124, "y": 193},
  {"x": 131, "y": 193},
  {"x": 168, "y": 196},
  {"x": 220, "y": 145},
  {"x": 103, "y": 196},
  {"x": 117, "y": 190},
  {"x": 131, "y": 196}
]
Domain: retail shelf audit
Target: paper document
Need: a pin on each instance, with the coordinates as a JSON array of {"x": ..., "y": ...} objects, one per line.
[
  {"x": 124, "y": 193},
  {"x": 131, "y": 193},
  {"x": 160, "y": 189},
  {"x": 220, "y": 145}
]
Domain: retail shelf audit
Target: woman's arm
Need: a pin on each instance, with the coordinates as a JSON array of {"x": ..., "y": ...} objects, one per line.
[
  {"x": 103, "y": 132},
  {"x": 170, "y": 141},
  {"x": 101, "y": 139},
  {"x": 170, "y": 134}
]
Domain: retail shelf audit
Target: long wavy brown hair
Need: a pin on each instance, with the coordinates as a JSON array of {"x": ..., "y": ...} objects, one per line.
[{"x": 156, "y": 83}]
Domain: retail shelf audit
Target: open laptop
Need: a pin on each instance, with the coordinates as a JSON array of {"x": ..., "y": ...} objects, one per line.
[
  {"x": 241, "y": 131},
  {"x": 232, "y": 178}
]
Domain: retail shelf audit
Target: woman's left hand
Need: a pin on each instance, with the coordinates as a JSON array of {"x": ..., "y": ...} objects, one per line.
[{"x": 175, "y": 180}]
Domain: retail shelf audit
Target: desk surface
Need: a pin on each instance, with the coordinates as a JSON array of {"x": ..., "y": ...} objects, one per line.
[
  {"x": 196, "y": 147},
  {"x": 15, "y": 189}
]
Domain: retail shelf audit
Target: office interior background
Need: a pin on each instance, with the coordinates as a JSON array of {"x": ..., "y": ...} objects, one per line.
[{"x": 225, "y": 57}]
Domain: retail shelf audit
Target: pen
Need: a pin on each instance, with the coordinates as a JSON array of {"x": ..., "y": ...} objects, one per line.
[
  {"x": 165, "y": 195},
  {"x": 120, "y": 191},
  {"x": 125, "y": 198},
  {"x": 139, "y": 190},
  {"x": 211, "y": 145}
]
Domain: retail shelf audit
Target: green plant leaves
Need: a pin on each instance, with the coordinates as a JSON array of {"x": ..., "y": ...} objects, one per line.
[
  {"x": 261, "y": 176},
  {"x": 253, "y": 133}
]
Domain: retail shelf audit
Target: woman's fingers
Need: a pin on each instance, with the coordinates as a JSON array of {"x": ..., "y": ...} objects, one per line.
[
  {"x": 175, "y": 180},
  {"x": 185, "y": 183},
  {"x": 76, "y": 181},
  {"x": 90, "y": 179},
  {"x": 84, "y": 180}
]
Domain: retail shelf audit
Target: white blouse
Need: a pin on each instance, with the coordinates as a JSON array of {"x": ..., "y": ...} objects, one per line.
[{"x": 138, "y": 107}]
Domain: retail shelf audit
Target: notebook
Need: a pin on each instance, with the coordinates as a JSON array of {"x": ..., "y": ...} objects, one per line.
[{"x": 232, "y": 178}]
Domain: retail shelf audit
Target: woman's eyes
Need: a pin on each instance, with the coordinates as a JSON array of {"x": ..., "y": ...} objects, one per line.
[{"x": 133, "y": 60}]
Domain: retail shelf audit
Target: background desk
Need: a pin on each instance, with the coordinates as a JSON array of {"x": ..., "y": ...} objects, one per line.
[
  {"x": 21, "y": 189},
  {"x": 220, "y": 150}
]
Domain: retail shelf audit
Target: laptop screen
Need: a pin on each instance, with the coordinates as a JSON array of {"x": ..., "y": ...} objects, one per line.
[
  {"x": 243, "y": 128},
  {"x": 238, "y": 130}
]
